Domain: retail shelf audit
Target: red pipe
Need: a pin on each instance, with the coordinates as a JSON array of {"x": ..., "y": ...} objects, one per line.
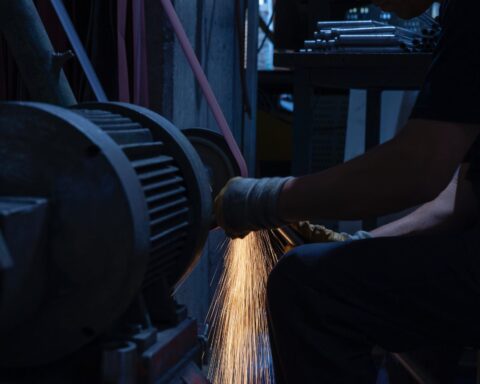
[{"x": 204, "y": 85}]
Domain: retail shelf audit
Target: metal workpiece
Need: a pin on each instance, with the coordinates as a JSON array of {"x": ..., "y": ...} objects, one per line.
[
  {"x": 320, "y": 44},
  {"x": 356, "y": 42},
  {"x": 370, "y": 36},
  {"x": 32, "y": 50},
  {"x": 329, "y": 33},
  {"x": 348, "y": 24},
  {"x": 287, "y": 237},
  {"x": 332, "y": 34},
  {"x": 323, "y": 34},
  {"x": 312, "y": 43},
  {"x": 368, "y": 40}
]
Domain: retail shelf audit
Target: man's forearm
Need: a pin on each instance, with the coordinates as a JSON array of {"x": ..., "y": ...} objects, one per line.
[
  {"x": 373, "y": 185},
  {"x": 455, "y": 209},
  {"x": 423, "y": 221},
  {"x": 410, "y": 170}
]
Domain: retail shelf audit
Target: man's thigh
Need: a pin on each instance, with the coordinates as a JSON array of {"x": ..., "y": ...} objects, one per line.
[{"x": 399, "y": 293}]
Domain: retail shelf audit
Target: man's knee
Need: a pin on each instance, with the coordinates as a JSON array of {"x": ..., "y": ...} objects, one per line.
[
  {"x": 282, "y": 277},
  {"x": 317, "y": 266},
  {"x": 294, "y": 269}
]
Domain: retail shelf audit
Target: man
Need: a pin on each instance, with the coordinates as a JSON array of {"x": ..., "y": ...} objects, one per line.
[{"x": 416, "y": 283}]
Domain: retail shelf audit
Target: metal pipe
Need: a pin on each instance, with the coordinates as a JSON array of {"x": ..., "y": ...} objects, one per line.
[
  {"x": 328, "y": 34},
  {"x": 363, "y": 30},
  {"x": 368, "y": 40},
  {"x": 33, "y": 52},
  {"x": 348, "y": 24}
]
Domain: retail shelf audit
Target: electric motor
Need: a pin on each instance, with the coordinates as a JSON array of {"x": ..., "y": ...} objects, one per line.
[{"x": 97, "y": 204}]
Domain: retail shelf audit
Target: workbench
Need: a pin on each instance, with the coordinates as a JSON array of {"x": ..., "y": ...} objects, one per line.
[{"x": 373, "y": 72}]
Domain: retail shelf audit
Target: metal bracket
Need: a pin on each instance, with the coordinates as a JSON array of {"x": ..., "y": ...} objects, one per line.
[
  {"x": 77, "y": 46},
  {"x": 60, "y": 58}
]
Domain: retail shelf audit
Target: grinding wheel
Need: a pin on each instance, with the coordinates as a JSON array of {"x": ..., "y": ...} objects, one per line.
[{"x": 216, "y": 156}]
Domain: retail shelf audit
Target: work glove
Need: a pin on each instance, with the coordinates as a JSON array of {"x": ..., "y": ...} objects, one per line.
[
  {"x": 311, "y": 233},
  {"x": 245, "y": 205},
  {"x": 303, "y": 232}
]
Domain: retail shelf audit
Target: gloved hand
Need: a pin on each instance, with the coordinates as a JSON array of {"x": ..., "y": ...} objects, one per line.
[
  {"x": 245, "y": 205},
  {"x": 311, "y": 233}
]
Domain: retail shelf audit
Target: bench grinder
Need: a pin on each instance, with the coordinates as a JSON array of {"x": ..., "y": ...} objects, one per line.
[{"x": 104, "y": 210}]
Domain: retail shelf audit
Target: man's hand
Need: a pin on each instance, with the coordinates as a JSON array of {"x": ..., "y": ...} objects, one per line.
[
  {"x": 311, "y": 233},
  {"x": 246, "y": 205},
  {"x": 306, "y": 233}
]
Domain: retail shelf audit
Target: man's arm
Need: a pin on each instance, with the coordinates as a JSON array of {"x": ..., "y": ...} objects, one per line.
[
  {"x": 455, "y": 209},
  {"x": 409, "y": 170}
]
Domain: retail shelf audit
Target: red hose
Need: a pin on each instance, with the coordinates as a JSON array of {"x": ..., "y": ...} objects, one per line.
[{"x": 205, "y": 85}]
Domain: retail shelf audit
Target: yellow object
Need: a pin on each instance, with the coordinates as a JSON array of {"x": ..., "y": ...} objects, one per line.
[
  {"x": 274, "y": 138},
  {"x": 317, "y": 233}
]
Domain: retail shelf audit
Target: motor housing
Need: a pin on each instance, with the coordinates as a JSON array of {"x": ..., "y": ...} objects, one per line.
[{"x": 97, "y": 204}]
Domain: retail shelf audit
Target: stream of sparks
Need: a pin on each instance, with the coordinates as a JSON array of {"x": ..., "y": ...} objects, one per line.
[{"x": 239, "y": 341}]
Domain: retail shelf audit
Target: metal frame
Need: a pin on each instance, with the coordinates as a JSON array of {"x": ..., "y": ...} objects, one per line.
[{"x": 79, "y": 49}]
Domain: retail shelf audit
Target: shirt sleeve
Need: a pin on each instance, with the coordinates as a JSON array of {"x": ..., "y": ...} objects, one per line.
[{"x": 451, "y": 91}]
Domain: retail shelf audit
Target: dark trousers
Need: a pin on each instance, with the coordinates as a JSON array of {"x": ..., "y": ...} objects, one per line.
[{"x": 329, "y": 304}]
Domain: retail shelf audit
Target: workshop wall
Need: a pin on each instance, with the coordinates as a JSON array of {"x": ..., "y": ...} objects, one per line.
[{"x": 210, "y": 25}]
